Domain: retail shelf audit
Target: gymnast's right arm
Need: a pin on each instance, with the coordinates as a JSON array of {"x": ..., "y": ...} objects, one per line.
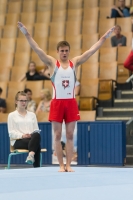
[{"x": 42, "y": 55}]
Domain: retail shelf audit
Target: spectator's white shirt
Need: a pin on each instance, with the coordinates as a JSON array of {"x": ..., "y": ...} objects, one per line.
[{"x": 19, "y": 125}]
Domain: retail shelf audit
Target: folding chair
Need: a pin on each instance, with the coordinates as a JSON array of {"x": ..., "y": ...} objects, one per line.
[
  {"x": 89, "y": 71},
  {"x": 3, "y": 117},
  {"x": 74, "y": 14},
  {"x": 28, "y": 18},
  {"x": 29, "y": 6},
  {"x": 89, "y": 27},
  {"x": 22, "y": 45},
  {"x": 87, "y": 115},
  {"x": 42, "y": 116},
  {"x": 8, "y": 45},
  {"x": 12, "y": 18},
  {"x": 3, "y": 8},
  {"x": 59, "y": 15},
  {"x": 105, "y": 25},
  {"x": 72, "y": 4},
  {"x": 2, "y": 19},
  {"x": 57, "y": 29},
  {"x": 108, "y": 54},
  {"x": 105, "y": 3},
  {"x": 35, "y": 86},
  {"x": 59, "y": 5},
  {"x": 91, "y": 4},
  {"x": 122, "y": 74},
  {"x": 43, "y": 17},
  {"x": 89, "y": 40},
  {"x": 43, "y": 6},
  {"x": 4, "y": 74},
  {"x": 6, "y": 59},
  {"x": 91, "y": 14},
  {"x": 14, "y": 152},
  {"x": 73, "y": 28},
  {"x": 122, "y": 54},
  {"x": 14, "y": 7},
  {"x": 21, "y": 59},
  {"x": 9, "y": 31},
  {"x": 88, "y": 94},
  {"x": 41, "y": 30}
]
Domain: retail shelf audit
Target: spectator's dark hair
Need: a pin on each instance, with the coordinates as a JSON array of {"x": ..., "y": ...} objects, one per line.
[
  {"x": 1, "y": 90},
  {"x": 27, "y": 90},
  {"x": 63, "y": 44}
]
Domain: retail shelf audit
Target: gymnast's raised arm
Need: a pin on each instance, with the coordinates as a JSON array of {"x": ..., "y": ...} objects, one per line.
[
  {"x": 48, "y": 60},
  {"x": 85, "y": 56}
]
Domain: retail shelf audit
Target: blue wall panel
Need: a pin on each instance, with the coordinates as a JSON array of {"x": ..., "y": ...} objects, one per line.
[
  {"x": 4, "y": 143},
  {"x": 83, "y": 143},
  {"x": 46, "y": 142},
  {"x": 107, "y": 143}
]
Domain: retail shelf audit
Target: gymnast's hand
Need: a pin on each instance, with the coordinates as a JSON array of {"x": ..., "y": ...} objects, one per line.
[
  {"x": 27, "y": 135},
  {"x": 109, "y": 32},
  {"x": 22, "y": 28}
]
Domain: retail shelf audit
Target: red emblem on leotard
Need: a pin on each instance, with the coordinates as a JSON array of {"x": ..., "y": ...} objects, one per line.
[{"x": 65, "y": 83}]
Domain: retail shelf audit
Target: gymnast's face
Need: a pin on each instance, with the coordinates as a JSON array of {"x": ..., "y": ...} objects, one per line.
[{"x": 63, "y": 53}]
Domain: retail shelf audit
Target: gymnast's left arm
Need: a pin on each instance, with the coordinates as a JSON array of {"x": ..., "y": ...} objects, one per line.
[{"x": 85, "y": 56}]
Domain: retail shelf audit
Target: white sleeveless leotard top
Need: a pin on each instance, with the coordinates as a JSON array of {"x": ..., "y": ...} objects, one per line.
[{"x": 63, "y": 81}]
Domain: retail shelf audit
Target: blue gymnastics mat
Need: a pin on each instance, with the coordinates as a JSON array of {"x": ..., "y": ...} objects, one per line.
[{"x": 85, "y": 183}]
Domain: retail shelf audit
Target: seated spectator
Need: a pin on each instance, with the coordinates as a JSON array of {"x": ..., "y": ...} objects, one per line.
[
  {"x": 31, "y": 105},
  {"x": 77, "y": 88},
  {"x": 44, "y": 105},
  {"x": 32, "y": 74},
  {"x": 118, "y": 39},
  {"x": 121, "y": 10},
  {"x": 2, "y": 103},
  {"x": 23, "y": 130}
]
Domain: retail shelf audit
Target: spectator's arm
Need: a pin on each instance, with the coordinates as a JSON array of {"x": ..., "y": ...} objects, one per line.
[
  {"x": 118, "y": 10},
  {"x": 120, "y": 13},
  {"x": 22, "y": 78}
]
